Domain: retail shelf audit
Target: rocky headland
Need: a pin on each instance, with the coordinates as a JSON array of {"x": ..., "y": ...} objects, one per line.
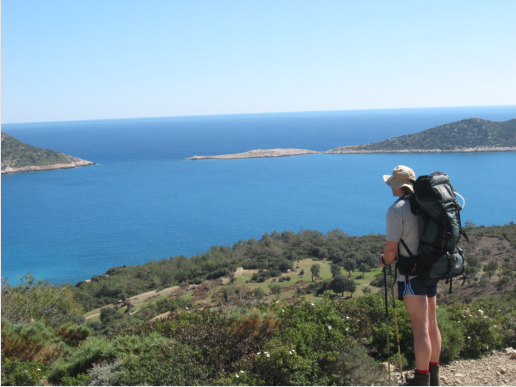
[{"x": 18, "y": 156}]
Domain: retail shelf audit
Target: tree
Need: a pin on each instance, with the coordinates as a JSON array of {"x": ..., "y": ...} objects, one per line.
[
  {"x": 491, "y": 266},
  {"x": 275, "y": 288},
  {"x": 364, "y": 267},
  {"x": 350, "y": 265},
  {"x": 316, "y": 270},
  {"x": 351, "y": 286},
  {"x": 370, "y": 260},
  {"x": 335, "y": 270},
  {"x": 338, "y": 284},
  {"x": 107, "y": 314},
  {"x": 286, "y": 265},
  {"x": 259, "y": 293}
]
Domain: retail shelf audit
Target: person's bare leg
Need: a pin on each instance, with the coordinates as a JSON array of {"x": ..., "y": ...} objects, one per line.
[
  {"x": 417, "y": 308},
  {"x": 433, "y": 329}
]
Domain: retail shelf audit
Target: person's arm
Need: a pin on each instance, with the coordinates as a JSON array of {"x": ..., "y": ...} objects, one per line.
[{"x": 390, "y": 250}]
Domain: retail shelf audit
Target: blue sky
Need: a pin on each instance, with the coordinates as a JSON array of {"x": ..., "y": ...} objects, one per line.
[{"x": 80, "y": 60}]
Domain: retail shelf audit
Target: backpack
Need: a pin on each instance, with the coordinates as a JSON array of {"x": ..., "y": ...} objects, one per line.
[{"x": 434, "y": 203}]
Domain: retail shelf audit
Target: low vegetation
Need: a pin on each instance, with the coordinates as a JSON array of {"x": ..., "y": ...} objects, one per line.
[{"x": 280, "y": 310}]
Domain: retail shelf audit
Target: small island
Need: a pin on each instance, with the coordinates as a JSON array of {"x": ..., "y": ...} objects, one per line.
[
  {"x": 279, "y": 152},
  {"x": 469, "y": 135},
  {"x": 18, "y": 156}
]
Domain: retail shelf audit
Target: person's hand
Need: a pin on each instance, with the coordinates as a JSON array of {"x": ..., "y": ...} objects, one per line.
[{"x": 381, "y": 261}]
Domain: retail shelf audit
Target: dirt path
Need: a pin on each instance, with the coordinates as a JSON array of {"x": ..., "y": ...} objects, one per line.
[
  {"x": 240, "y": 271},
  {"x": 494, "y": 369}
]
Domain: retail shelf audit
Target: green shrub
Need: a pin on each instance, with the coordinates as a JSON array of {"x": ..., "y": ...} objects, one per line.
[
  {"x": 104, "y": 374},
  {"x": 452, "y": 336},
  {"x": 275, "y": 288},
  {"x": 73, "y": 334},
  {"x": 259, "y": 293},
  {"x": 22, "y": 373},
  {"x": 481, "y": 331},
  {"x": 97, "y": 349},
  {"x": 172, "y": 365},
  {"x": 30, "y": 342},
  {"x": 354, "y": 368},
  {"x": 36, "y": 300}
]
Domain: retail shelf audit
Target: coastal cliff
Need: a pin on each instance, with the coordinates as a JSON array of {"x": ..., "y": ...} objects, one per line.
[{"x": 18, "y": 156}]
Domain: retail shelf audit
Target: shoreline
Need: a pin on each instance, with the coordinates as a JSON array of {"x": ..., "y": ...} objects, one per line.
[
  {"x": 34, "y": 168},
  {"x": 348, "y": 150},
  {"x": 284, "y": 152}
]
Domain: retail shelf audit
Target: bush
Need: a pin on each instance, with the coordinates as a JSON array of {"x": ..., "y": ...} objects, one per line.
[
  {"x": 30, "y": 342},
  {"x": 107, "y": 314},
  {"x": 259, "y": 293},
  {"x": 96, "y": 350},
  {"x": 354, "y": 368},
  {"x": 104, "y": 374},
  {"x": 480, "y": 331},
  {"x": 275, "y": 288},
  {"x": 37, "y": 300},
  {"x": 452, "y": 336},
  {"x": 22, "y": 373},
  {"x": 73, "y": 334},
  {"x": 172, "y": 365}
]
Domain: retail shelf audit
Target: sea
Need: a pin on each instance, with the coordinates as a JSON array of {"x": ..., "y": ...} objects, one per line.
[{"x": 142, "y": 201}]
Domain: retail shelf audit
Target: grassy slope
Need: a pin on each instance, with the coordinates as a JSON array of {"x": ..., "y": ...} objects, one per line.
[{"x": 242, "y": 281}]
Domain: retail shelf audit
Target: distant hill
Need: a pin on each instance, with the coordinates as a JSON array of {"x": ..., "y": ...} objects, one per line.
[
  {"x": 18, "y": 156},
  {"x": 468, "y": 135}
]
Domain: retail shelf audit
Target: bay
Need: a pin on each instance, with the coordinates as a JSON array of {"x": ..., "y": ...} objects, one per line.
[{"x": 142, "y": 201}]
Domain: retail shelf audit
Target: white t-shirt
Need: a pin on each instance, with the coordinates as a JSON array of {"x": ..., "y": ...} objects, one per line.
[{"x": 402, "y": 224}]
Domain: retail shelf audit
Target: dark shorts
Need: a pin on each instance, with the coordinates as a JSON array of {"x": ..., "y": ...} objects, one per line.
[{"x": 418, "y": 286}]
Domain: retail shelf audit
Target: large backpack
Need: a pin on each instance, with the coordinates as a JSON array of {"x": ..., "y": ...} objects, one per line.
[{"x": 434, "y": 203}]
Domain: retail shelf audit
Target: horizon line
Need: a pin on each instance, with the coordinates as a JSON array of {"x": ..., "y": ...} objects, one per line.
[{"x": 260, "y": 113}]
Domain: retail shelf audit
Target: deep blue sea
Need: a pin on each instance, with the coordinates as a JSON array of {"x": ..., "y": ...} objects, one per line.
[{"x": 142, "y": 201}]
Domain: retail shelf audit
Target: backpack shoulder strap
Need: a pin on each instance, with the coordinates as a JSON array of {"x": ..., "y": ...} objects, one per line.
[
  {"x": 406, "y": 248},
  {"x": 411, "y": 198}
]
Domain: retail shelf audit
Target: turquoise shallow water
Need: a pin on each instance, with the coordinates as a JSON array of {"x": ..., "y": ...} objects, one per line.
[{"x": 142, "y": 201}]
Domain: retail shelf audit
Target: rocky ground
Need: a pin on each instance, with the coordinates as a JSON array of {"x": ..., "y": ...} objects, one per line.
[{"x": 494, "y": 369}]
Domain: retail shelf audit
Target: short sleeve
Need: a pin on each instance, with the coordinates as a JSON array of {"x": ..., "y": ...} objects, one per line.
[{"x": 394, "y": 224}]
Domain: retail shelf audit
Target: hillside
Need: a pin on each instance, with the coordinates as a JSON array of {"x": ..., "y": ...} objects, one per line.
[
  {"x": 254, "y": 314},
  {"x": 278, "y": 266},
  {"x": 18, "y": 156},
  {"x": 472, "y": 134}
]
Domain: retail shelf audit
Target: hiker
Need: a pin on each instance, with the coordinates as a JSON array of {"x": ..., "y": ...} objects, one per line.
[{"x": 419, "y": 294}]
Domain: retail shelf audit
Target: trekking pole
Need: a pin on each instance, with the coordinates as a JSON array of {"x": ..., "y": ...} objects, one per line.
[
  {"x": 396, "y": 322},
  {"x": 387, "y": 324}
]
